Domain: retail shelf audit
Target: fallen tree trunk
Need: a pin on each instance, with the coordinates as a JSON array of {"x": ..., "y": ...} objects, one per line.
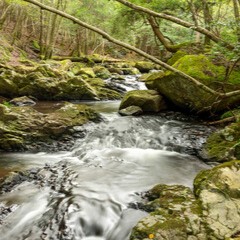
[{"x": 86, "y": 59}]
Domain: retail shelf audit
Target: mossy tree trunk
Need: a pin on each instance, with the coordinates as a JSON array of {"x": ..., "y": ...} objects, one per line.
[
  {"x": 236, "y": 7},
  {"x": 207, "y": 20}
]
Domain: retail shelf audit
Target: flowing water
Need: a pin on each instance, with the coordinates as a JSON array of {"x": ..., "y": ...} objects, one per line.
[{"x": 85, "y": 194}]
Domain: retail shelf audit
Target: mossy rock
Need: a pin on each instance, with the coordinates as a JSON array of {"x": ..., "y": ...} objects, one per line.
[
  {"x": 21, "y": 125},
  {"x": 212, "y": 212},
  {"x": 131, "y": 111},
  {"x": 101, "y": 72},
  {"x": 7, "y": 87},
  {"x": 102, "y": 89},
  {"x": 130, "y": 71},
  {"x": 174, "y": 214},
  {"x": 147, "y": 100},
  {"x": 224, "y": 144},
  {"x": 186, "y": 95},
  {"x": 145, "y": 67},
  {"x": 218, "y": 191},
  {"x": 76, "y": 67},
  {"x": 176, "y": 56},
  {"x": 87, "y": 71}
]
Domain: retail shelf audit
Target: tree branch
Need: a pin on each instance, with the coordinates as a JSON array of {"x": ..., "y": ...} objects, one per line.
[{"x": 179, "y": 21}]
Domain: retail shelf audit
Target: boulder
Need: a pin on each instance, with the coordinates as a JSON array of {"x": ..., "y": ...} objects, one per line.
[
  {"x": 174, "y": 215},
  {"x": 188, "y": 96},
  {"x": 147, "y": 100},
  {"x": 22, "y": 126},
  {"x": 218, "y": 192},
  {"x": 87, "y": 71},
  {"x": 52, "y": 82},
  {"x": 145, "y": 67},
  {"x": 223, "y": 145},
  {"x": 22, "y": 101},
  {"x": 131, "y": 111},
  {"x": 101, "y": 72},
  {"x": 212, "y": 211}
]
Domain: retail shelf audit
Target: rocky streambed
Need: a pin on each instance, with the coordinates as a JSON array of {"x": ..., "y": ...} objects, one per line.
[
  {"x": 94, "y": 190},
  {"x": 85, "y": 172}
]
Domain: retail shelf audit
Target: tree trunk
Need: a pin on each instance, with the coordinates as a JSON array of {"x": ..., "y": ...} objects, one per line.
[
  {"x": 134, "y": 49},
  {"x": 195, "y": 19},
  {"x": 179, "y": 21},
  {"x": 236, "y": 6},
  {"x": 207, "y": 20},
  {"x": 160, "y": 36},
  {"x": 4, "y": 16}
]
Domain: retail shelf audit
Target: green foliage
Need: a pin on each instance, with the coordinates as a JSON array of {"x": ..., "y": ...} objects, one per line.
[{"x": 7, "y": 104}]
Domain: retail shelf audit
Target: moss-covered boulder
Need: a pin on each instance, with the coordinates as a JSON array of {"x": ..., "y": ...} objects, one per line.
[
  {"x": 174, "y": 215},
  {"x": 212, "y": 211},
  {"x": 147, "y": 100},
  {"x": 224, "y": 145},
  {"x": 86, "y": 71},
  {"x": 52, "y": 81},
  {"x": 101, "y": 72},
  {"x": 22, "y": 126},
  {"x": 145, "y": 67},
  {"x": 218, "y": 191},
  {"x": 190, "y": 97}
]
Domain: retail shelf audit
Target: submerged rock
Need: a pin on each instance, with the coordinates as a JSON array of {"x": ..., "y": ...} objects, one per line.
[
  {"x": 211, "y": 212},
  {"x": 147, "y": 100}
]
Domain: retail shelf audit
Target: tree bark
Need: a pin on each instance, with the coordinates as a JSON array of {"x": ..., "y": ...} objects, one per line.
[
  {"x": 236, "y": 6},
  {"x": 134, "y": 49},
  {"x": 179, "y": 21},
  {"x": 207, "y": 20},
  {"x": 160, "y": 35}
]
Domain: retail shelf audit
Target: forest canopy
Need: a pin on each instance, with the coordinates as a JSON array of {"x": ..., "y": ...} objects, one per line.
[{"x": 176, "y": 23}]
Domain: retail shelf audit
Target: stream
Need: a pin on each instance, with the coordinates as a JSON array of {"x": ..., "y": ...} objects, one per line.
[{"x": 88, "y": 193}]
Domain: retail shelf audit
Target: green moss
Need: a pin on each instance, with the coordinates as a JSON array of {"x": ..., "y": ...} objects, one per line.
[
  {"x": 176, "y": 56},
  {"x": 200, "y": 67},
  {"x": 234, "y": 112}
]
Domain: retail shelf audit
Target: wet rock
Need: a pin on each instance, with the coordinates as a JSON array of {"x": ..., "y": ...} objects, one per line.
[
  {"x": 223, "y": 145},
  {"x": 101, "y": 72},
  {"x": 22, "y": 101},
  {"x": 53, "y": 81},
  {"x": 211, "y": 212},
  {"x": 147, "y": 100},
  {"x": 145, "y": 67},
  {"x": 131, "y": 111},
  {"x": 20, "y": 127},
  {"x": 218, "y": 191},
  {"x": 174, "y": 215}
]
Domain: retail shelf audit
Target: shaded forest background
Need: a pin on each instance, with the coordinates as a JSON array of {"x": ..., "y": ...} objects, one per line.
[{"x": 47, "y": 34}]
